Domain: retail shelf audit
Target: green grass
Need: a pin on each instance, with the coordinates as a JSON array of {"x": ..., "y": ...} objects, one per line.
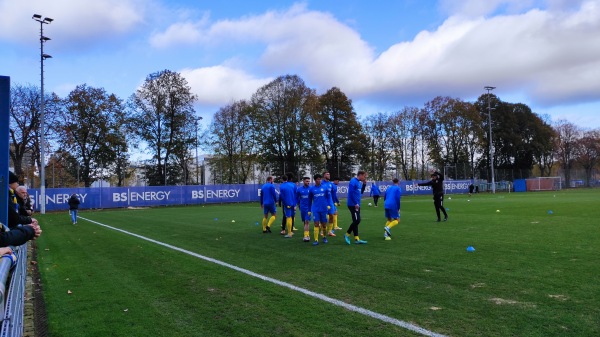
[{"x": 532, "y": 274}]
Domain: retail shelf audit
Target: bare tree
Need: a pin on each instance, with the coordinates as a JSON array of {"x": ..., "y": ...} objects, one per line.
[
  {"x": 588, "y": 153},
  {"x": 233, "y": 141},
  {"x": 25, "y": 118},
  {"x": 567, "y": 136},
  {"x": 380, "y": 133}
]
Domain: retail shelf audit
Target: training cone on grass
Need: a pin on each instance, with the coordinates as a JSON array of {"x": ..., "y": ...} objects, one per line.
[
  {"x": 550, "y": 212},
  {"x": 470, "y": 249}
]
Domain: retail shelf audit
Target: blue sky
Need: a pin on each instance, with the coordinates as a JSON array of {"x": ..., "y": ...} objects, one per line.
[{"x": 383, "y": 54}]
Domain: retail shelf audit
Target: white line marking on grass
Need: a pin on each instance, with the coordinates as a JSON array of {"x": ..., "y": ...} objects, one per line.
[{"x": 327, "y": 299}]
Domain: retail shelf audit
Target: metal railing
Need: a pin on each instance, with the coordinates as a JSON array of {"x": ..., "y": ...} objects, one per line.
[{"x": 14, "y": 304}]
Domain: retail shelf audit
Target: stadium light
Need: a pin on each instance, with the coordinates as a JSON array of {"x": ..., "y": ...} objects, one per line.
[
  {"x": 489, "y": 89},
  {"x": 43, "y": 56},
  {"x": 196, "y": 123}
]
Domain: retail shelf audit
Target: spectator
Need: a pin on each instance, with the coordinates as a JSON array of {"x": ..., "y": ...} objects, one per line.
[
  {"x": 20, "y": 228},
  {"x": 24, "y": 201},
  {"x": 73, "y": 207}
]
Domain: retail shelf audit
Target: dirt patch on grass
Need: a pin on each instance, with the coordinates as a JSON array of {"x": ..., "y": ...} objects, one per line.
[
  {"x": 559, "y": 297},
  {"x": 502, "y": 301}
]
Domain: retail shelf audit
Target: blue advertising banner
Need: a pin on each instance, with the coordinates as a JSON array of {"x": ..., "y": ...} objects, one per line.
[{"x": 149, "y": 196}]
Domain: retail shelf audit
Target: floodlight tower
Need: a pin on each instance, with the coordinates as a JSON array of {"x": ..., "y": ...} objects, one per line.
[
  {"x": 43, "y": 56},
  {"x": 196, "y": 124},
  {"x": 489, "y": 89}
]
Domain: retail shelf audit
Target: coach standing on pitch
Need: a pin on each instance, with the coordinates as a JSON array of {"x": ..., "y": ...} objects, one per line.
[
  {"x": 355, "y": 190},
  {"x": 437, "y": 185}
]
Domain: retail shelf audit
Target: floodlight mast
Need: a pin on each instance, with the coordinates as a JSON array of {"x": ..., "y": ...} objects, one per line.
[
  {"x": 43, "y": 56},
  {"x": 489, "y": 89},
  {"x": 196, "y": 124}
]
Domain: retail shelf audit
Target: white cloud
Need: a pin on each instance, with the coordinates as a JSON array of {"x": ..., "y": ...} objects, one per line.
[
  {"x": 477, "y": 8},
  {"x": 73, "y": 20},
  {"x": 180, "y": 33},
  {"x": 551, "y": 55},
  {"x": 221, "y": 84}
]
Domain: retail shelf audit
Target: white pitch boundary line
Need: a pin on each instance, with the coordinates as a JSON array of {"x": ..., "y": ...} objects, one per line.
[{"x": 366, "y": 312}]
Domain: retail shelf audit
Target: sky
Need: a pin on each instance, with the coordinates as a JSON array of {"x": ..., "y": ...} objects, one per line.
[{"x": 383, "y": 54}]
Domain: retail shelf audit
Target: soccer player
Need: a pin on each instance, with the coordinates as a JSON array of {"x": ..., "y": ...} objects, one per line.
[
  {"x": 319, "y": 200},
  {"x": 287, "y": 195},
  {"x": 375, "y": 193},
  {"x": 331, "y": 209},
  {"x": 268, "y": 197},
  {"x": 355, "y": 190},
  {"x": 437, "y": 186},
  {"x": 336, "y": 202},
  {"x": 304, "y": 205},
  {"x": 391, "y": 204}
]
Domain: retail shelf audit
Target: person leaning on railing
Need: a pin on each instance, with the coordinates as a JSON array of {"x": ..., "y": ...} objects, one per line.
[
  {"x": 23, "y": 201},
  {"x": 20, "y": 228}
]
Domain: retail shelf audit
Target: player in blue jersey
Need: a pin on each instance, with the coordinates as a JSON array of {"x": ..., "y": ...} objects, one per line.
[
  {"x": 391, "y": 205},
  {"x": 287, "y": 196},
  {"x": 331, "y": 209},
  {"x": 375, "y": 193},
  {"x": 304, "y": 206},
  {"x": 319, "y": 200},
  {"x": 268, "y": 198},
  {"x": 336, "y": 202},
  {"x": 355, "y": 191}
]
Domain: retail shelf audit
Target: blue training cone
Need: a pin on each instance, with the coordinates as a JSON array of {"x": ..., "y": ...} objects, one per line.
[
  {"x": 216, "y": 219},
  {"x": 549, "y": 212},
  {"x": 470, "y": 249}
]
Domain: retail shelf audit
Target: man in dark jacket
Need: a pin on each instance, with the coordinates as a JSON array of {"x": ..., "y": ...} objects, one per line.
[
  {"x": 73, "y": 207},
  {"x": 437, "y": 185}
]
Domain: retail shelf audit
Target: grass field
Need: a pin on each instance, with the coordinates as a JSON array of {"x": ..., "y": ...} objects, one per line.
[{"x": 532, "y": 273}]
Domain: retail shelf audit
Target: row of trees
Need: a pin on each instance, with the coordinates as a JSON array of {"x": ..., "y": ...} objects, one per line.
[
  {"x": 284, "y": 127},
  {"x": 91, "y": 131}
]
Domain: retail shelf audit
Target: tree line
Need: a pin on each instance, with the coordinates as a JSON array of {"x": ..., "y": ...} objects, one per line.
[{"x": 284, "y": 127}]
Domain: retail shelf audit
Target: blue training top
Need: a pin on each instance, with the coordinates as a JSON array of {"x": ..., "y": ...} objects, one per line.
[
  {"x": 392, "y": 197},
  {"x": 374, "y": 190},
  {"x": 287, "y": 194},
  {"x": 268, "y": 195},
  {"x": 319, "y": 199},
  {"x": 302, "y": 198},
  {"x": 354, "y": 192},
  {"x": 328, "y": 185}
]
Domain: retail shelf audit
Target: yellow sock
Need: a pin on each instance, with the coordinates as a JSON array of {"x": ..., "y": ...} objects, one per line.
[
  {"x": 288, "y": 224},
  {"x": 356, "y": 238},
  {"x": 271, "y": 220},
  {"x": 335, "y": 221},
  {"x": 393, "y": 223},
  {"x": 264, "y": 224},
  {"x": 387, "y": 223},
  {"x": 306, "y": 234},
  {"x": 329, "y": 227},
  {"x": 316, "y": 232}
]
